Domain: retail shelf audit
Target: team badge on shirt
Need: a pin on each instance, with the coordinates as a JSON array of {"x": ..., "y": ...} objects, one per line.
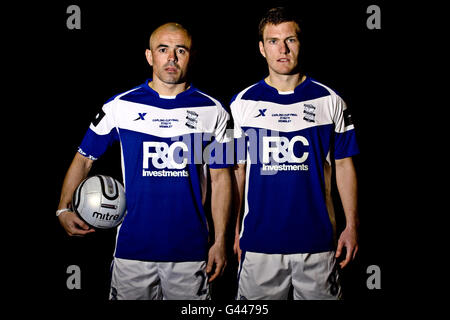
[
  {"x": 191, "y": 117},
  {"x": 309, "y": 112}
]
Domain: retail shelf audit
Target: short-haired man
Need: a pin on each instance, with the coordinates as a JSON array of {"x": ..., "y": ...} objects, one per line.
[
  {"x": 294, "y": 128},
  {"x": 162, "y": 249}
]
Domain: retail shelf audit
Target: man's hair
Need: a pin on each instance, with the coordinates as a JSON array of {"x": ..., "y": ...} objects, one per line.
[{"x": 277, "y": 16}]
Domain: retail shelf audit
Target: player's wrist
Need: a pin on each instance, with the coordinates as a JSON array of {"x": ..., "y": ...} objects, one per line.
[
  {"x": 219, "y": 239},
  {"x": 60, "y": 211},
  {"x": 354, "y": 225}
]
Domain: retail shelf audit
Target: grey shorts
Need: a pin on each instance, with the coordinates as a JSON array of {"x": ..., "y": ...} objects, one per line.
[
  {"x": 145, "y": 280},
  {"x": 271, "y": 276}
]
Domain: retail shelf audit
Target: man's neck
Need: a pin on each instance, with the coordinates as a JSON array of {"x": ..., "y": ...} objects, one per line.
[
  {"x": 284, "y": 83},
  {"x": 167, "y": 89}
]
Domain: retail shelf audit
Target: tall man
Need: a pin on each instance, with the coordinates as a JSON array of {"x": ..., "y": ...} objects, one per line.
[
  {"x": 294, "y": 129},
  {"x": 164, "y": 127}
]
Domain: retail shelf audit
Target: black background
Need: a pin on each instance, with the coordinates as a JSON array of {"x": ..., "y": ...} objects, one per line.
[{"x": 69, "y": 74}]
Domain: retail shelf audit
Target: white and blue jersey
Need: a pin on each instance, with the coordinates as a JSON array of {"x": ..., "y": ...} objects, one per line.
[
  {"x": 164, "y": 147},
  {"x": 291, "y": 139}
]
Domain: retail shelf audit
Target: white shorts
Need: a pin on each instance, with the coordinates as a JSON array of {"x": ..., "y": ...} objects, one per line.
[
  {"x": 271, "y": 276},
  {"x": 145, "y": 280}
]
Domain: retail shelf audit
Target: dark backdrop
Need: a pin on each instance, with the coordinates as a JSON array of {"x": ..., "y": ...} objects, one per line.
[{"x": 80, "y": 69}]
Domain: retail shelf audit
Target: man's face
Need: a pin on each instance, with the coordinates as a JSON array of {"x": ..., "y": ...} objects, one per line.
[
  {"x": 281, "y": 47},
  {"x": 169, "y": 55}
]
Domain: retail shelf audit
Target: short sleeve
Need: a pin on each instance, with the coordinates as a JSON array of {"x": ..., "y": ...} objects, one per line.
[
  {"x": 345, "y": 144},
  {"x": 219, "y": 151},
  {"x": 101, "y": 133},
  {"x": 239, "y": 138}
]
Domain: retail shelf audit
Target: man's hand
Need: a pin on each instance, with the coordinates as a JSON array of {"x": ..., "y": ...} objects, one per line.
[
  {"x": 217, "y": 260},
  {"x": 73, "y": 225},
  {"x": 349, "y": 240}
]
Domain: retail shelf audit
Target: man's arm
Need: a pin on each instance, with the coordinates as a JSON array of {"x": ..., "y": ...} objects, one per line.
[
  {"x": 76, "y": 173},
  {"x": 220, "y": 206},
  {"x": 347, "y": 186},
  {"x": 238, "y": 196}
]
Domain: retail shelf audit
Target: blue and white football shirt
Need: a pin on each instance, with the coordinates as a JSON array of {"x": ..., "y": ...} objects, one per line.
[
  {"x": 165, "y": 147},
  {"x": 290, "y": 140}
]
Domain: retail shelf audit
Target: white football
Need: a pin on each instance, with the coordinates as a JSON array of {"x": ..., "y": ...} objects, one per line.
[{"x": 100, "y": 202}]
